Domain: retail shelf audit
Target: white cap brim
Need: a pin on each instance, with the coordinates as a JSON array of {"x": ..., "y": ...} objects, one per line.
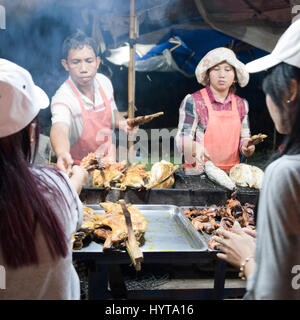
[
  {"x": 262, "y": 64},
  {"x": 42, "y": 98}
]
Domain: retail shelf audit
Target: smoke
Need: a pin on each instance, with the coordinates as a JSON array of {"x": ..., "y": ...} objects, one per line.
[
  {"x": 36, "y": 29},
  {"x": 33, "y": 39}
]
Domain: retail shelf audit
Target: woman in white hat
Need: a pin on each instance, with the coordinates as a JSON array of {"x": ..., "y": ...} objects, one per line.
[
  {"x": 271, "y": 264},
  {"x": 39, "y": 206},
  {"x": 213, "y": 122}
]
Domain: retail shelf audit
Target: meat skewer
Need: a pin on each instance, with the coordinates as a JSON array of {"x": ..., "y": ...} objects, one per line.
[
  {"x": 143, "y": 119},
  {"x": 256, "y": 139}
]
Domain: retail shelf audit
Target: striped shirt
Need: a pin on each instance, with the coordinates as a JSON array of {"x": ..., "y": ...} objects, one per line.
[
  {"x": 65, "y": 106},
  {"x": 193, "y": 122}
]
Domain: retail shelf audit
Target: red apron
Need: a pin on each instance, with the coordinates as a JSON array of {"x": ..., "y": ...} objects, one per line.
[
  {"x": 96, "y": 133},
  {"x": 222, "y": 135}
]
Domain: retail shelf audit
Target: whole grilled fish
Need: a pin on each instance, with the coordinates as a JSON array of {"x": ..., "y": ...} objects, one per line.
[{"x": 219, "y": 176}]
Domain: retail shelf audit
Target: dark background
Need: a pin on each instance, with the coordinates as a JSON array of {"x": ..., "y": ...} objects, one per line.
[{"x": 33, "y": 40}]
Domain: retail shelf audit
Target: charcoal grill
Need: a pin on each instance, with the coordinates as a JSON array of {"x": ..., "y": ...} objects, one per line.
[
  {"x": 196, "y": 190},
  {"x": 170, "y": 239},
  {"x": 187, "y": 191}
]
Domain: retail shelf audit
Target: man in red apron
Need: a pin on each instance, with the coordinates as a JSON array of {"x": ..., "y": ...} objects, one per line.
[
  {"x": 84, "y": 113},
  {"x": 213, "y": 122}
]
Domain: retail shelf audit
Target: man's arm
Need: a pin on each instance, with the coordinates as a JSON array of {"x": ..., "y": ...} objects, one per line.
[{"x": 59, "y": 138}]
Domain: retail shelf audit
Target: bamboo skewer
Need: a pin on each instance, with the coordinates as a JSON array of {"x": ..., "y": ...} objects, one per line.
[
  {"x": 131, "y": 68},
  {"x": 133, "y": 249}
]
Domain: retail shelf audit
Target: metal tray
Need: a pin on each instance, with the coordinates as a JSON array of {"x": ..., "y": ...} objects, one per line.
[
  {"x": 204, "y": 235},
  {"x": 169, "y": 230}
]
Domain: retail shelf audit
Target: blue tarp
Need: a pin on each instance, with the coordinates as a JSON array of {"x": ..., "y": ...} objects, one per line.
[{"x": 194, "y": 44}]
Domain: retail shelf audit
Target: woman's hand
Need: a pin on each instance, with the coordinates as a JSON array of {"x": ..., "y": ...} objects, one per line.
[
  {"x": 250, "y": 232},
  {"x": 79, "y": 177},
  {"x": 235, "y": 245},
  {"x": 247, "y": 150}
]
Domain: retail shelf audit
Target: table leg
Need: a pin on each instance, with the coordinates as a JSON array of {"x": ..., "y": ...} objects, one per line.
[
  {"x": 97, "y": 278},
  {"x": 116, "y": 281},
  {"x": 219, "y": 282}
]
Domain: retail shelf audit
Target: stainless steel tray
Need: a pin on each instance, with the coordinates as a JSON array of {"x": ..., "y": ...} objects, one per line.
[
  {"x": 169, "y": 230},
  {"x": 204, "y": 235}
]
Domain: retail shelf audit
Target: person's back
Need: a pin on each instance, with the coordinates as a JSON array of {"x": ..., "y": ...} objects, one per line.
[
  {"x": 50, "y": 278},
  {"x": 39, "y": 206},
  {"x": 278, "y": 233}
]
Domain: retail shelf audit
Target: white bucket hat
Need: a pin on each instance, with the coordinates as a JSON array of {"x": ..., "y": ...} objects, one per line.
[
  {"x": 216, "y": 56},
  {"x": 286, "y": 50},
  {"x": 20, "y": 99}
]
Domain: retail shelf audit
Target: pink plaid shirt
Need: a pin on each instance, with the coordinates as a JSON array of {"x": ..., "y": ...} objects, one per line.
[{"x": 193, "y": 122}]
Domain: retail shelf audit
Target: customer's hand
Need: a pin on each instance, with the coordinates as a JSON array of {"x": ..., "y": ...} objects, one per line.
[
  {"x": 250, "y": 232},
  {"x": 79, "y": 177},
  {"x": 235, "y": 245},
  {"x": 65, "y": 162}
]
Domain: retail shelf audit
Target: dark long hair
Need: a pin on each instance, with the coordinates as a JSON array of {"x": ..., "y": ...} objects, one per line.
[
  {"x": 23, "y": 205},
  {"x": 277, "y": 85}
]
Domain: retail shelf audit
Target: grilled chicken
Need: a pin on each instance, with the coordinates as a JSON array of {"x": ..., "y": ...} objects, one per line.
[
  {"x": 111, "y": 173},
  {"x": 245, "y": 175},
  {"x": 114, "y": 219},
  {"x": 135, "y": 176},
  {"x": 205, "y": 224},
  {"x": 161, "y": 175},
  {"x": 137, "y": 121},
  {"x": 85, "y": 233},
  {"x": 206, "y": 219}
]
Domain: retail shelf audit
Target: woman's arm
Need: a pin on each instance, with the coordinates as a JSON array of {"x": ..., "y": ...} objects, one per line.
[
  {"x": 245, "y": 134},
  {"x": 237, "y": 248},
  {"x": 78, "y": 178}
]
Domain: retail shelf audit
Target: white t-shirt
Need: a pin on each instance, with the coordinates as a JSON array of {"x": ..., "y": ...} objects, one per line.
[
  {"x": 277, "y": 257},
  {"x": 49, "y": 280},
  {"x": 65, "y": 106}
]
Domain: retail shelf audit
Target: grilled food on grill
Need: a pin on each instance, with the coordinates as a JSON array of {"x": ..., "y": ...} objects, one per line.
[
  {"x": 115, "y": 174},
  {"x": 162, "y": 175},
  {"x": 245, "y": 175},
  {"x": 114, "y": 219},
  {"x": 135, "y": 176},
  {"x": 219, "y": 176},
  {"x": 106, "y": 176},
  {"x": 137, "y": 121},
  {"x": 93, "y": 161}
]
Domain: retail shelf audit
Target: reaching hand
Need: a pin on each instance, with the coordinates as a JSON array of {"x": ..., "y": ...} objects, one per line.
[
  {"x": 65, "y": 162},
  {"x": 80, "y": 173},
  {"x": 235, "y": 245},
  {"x": 79, "y": 177},
  {"x": 250, "y": 232}
]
